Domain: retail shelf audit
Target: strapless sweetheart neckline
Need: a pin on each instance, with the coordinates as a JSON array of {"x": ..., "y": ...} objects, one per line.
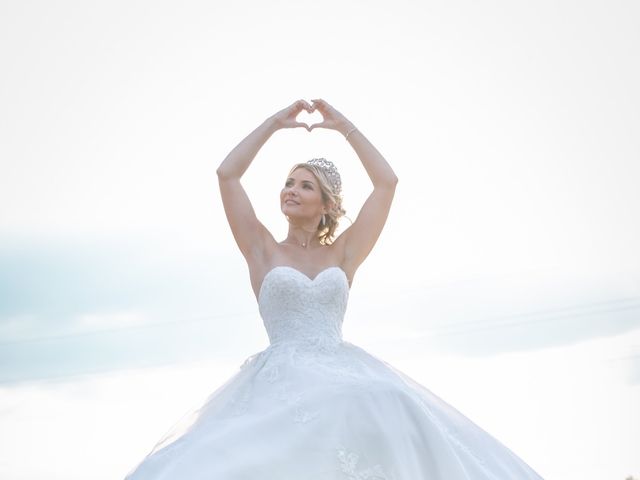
[{"x": 304, "y": 275}]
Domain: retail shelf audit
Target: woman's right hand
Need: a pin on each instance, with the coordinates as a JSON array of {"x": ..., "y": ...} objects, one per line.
[{"x": 286, "y": 118}]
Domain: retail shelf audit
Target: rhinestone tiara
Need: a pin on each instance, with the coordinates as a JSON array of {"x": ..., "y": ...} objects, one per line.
[{"x": 330, "y": 171}]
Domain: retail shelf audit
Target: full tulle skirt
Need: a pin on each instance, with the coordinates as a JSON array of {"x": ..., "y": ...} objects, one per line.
[{"x": 299, "y": 411}]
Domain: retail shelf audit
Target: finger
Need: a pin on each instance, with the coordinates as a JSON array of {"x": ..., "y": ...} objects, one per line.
[
  {"x": 301, "y": 124},
  {"x": 317, "y": 125},
  {"x": 321, "y": 105},
  {"x": 297, "y": 106}
]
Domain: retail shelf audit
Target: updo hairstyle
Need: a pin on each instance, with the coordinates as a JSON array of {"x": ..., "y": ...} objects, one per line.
[{"x": 327, "y": 231}]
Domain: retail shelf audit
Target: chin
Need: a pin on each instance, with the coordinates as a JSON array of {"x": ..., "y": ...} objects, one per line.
[
  {"x": 293, "y": 218},
  {"x": 289, "y": 209}
]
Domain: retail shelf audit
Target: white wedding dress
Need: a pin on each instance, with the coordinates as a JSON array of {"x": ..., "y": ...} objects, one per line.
[{"x": 314, "y": 407}]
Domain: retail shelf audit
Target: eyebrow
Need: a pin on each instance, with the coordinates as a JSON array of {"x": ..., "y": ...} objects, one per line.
[{"x": 303, "y": 181}]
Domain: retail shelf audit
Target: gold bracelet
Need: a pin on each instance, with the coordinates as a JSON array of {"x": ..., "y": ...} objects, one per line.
[{"x": 349, "y": 132}]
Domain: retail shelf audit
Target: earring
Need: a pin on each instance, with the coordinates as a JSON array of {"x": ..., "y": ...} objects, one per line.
[{"x": 322, "y": 221}]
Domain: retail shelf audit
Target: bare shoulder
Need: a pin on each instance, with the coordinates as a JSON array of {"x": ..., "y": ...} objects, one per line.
[
  {"x": 260, "y": 264},
  {"x": 338, "y": 252}
]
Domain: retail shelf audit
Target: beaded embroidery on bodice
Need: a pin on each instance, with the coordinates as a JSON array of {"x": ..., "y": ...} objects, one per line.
[{"x": 296, "y": 308}]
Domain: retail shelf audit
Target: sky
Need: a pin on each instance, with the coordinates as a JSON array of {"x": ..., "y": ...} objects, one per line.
[{"x": 507, "y": 279}]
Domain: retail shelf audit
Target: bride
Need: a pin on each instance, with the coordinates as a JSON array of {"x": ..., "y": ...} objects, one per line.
[{"x": 312, "y": 406}]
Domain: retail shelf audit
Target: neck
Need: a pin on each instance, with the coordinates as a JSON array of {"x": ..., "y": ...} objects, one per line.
[{"x": 302, "y": 237}]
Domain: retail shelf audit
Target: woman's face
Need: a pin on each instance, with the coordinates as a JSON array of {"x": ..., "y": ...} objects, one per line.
[{"x": 301, "y": 196}]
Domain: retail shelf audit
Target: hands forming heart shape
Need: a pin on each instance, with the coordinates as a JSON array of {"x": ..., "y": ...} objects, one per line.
[{"x": 331, "y": 118}]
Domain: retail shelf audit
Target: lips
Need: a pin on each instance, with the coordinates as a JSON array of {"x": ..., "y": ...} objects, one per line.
[{"x": 289, "y": 201}]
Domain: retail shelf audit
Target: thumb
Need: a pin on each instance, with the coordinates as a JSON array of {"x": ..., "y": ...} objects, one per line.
[
  {"x": 301, "y": 124},
  {"x": 317, "y": 125}
]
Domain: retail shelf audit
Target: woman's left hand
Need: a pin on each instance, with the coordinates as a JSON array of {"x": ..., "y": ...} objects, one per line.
[{"x": 331, "y": 118}]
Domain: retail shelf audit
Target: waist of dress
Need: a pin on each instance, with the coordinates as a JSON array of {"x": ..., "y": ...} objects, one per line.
[
  {"x": 320, "y": 341},
  {"x": 295, "y": 347}
]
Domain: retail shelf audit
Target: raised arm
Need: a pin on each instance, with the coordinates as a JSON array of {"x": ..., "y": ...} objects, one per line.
[
  {"x": 249, "y": 233},
  {"x": 358, "y": 240}
]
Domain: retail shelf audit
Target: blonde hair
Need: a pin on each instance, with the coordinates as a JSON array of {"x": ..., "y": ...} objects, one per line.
[{"x": 326, "y": 232}]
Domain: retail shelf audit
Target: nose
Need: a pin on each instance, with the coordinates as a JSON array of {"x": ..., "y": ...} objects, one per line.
[{"x": 291, "y": 193}]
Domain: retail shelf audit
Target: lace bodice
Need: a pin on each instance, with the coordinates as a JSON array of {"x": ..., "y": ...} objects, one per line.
[{"x": 297, "y": 308}]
